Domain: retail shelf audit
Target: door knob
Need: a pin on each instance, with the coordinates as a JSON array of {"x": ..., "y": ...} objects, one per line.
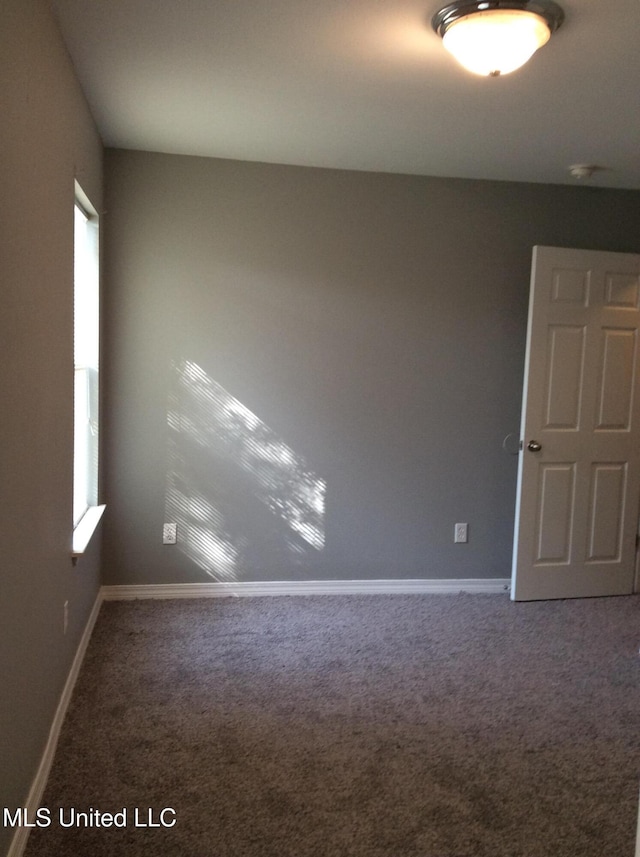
[{"x": 534, "y": 446}]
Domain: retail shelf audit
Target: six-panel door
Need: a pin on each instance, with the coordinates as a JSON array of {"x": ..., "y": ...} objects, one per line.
[{"x": 578, "y": 494}]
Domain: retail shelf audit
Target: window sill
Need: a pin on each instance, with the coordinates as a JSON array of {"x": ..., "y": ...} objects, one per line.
[{"x": 85, "y": 529}]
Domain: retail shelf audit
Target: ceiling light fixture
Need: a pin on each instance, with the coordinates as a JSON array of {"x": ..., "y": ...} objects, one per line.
[{"x": 495, "y": 37}]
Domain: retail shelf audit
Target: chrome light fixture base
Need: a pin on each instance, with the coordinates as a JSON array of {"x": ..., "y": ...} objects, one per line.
[{"x": 550, "y": 12}]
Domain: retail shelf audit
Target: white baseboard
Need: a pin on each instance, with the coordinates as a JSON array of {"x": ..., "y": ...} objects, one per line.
[
  {"x": 638, "y": 836},
  {"x": 19, "y": 841},
  {"x": 306, "y": 587}
]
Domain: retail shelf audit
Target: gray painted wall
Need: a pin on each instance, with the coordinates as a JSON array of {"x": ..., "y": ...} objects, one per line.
[
  {"x": 276, "y": 333},
  {"x": 47, "y": 137}
]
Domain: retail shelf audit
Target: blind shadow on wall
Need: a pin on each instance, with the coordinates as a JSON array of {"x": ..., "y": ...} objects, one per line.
[{"x": 241, "y": 496}]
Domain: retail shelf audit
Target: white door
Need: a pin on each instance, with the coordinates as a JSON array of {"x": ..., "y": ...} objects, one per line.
[{"x": 579, "y": 469}]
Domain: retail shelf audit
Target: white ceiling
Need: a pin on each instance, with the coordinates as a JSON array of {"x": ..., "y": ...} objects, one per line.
[{"x": 358, "y": 84}]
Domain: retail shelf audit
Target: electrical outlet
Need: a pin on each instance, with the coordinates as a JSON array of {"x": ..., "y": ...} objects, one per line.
[
  {"x": 65, "y": 619},
  {"x": 169, "y": 534},
  {"x": 460, "y": 534}
]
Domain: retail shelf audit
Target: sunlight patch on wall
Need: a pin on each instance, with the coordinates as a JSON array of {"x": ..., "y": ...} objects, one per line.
[
  {"x": 240, "y": 495},
  {"x": 201, "y": 532}
]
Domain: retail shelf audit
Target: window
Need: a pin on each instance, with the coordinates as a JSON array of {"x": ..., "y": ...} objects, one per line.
[{"x": 86, "y": 348}]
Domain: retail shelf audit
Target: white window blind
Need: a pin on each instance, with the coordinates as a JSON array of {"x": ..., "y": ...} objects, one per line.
[{"x": 86, "y": 360}]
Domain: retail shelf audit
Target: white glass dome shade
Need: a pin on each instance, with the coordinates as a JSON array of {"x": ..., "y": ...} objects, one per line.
[{"x": 495, "y": 38}]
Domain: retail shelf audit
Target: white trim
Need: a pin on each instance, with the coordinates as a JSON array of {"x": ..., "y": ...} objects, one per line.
[
  {"x": 85, "y": 528},
  {"x": 638, "y": 836},
  {"x": 305, "y": 587},
  {"x": 83, "y": 201},
  {"x": 19, "y": 841}
]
